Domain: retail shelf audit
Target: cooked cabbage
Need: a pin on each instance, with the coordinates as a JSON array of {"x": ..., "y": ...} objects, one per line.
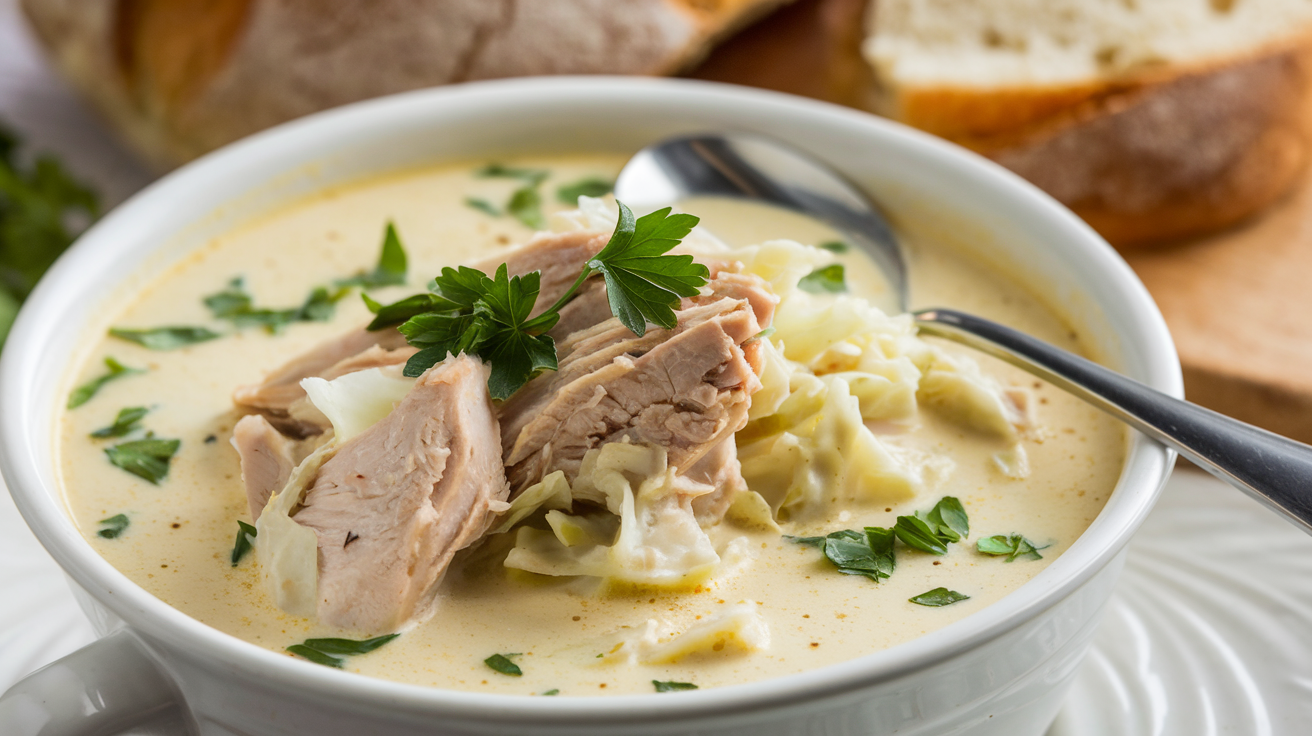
[
  {"x": 288, "y": 553},
  {"x": 955, "y": 387},
  {"x": 356, "y": 401}
]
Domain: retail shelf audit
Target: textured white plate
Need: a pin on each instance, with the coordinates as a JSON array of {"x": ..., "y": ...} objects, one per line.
[{"x": 1210, "y": 631}]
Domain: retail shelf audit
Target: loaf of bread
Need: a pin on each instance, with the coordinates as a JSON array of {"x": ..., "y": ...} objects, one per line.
[
  {"x": 1152, "y": 119},
  {"x": 181, "y": 77}
]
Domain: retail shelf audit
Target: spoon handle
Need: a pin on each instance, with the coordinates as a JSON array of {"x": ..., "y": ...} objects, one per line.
[{"x": 1275, "y": 470}]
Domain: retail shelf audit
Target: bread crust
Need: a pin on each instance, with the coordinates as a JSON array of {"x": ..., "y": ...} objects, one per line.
[
  {"x": 178, "y": 78},
  {"x": 1169, "y": 154}
]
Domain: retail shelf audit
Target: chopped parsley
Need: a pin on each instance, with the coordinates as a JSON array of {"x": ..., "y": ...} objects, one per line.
[
  {"x": 82, "y": 394},
  {"x": 112, "y": 527},
  {"x": 829, "y": 279},
  {"x": 932, "y": 532},
  {"x": 245, "y": 538},
  {"x": 165, "y": 338},
  {"x": 501, "y": 663},
  {"x": 533, "y": 177},
  {"x": 670, "y": 686},
  {"x": 391, "y": 267},
  {"x": 235, "y": 304},
  {"x": 42, "y": 210},
  {"x": 525, "y": 205},
  {"x": 868, "y": 553},
  {"x": 330, "y": 652},
  {"x": 835, "y": 246},
  {"x": 128, "y": 420},
  {"x": 148, "y": 458},
  {"x": 484, "y": 206},
  {"x": 468, "y": 311},
  {"x": 939, "y": 597},
  {"x": 1012, "y": 546},
  {"x": 589, "y": 187},
  {"x": 552, "y": 691}
]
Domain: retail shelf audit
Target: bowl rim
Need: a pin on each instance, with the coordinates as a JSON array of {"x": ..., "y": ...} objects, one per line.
[{"x": 1146, "y": 468}]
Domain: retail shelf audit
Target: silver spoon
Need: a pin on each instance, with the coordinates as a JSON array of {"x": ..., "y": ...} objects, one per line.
[{"x": 1272, "y": 469}]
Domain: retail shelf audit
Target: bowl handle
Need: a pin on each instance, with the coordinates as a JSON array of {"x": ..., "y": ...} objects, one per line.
[{"x": 105, "y": 687}]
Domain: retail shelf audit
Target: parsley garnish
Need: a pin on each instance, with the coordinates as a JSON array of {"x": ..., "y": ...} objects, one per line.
[
  {"x": 525, "y": 205},
  {"x": 469, "y": 312},
  {"x": 1013, "y": 546},
  {"x": 589, "y": 187},
  {"x": 148, "y": 458},
  {"x": 322, "y": 651},
  {"x": 113, "y": 526},
  {"x": 869, "y": 554},
  {"x": 235, "y": 304},
  {"x": 245, "y": 534},
  {"x": 391, "y": 268},
  {"x": 501, "y": 663},
  {"x": 932, "y": 532},
  {"x": 127, "y": 420},
  {"x": 835, "y": 246},
  {"x": 484, "y": 206},
  {"x": 529, "y": 176},
  {"x": 82, "y": 394},
  {"x": 939, "y": 597},
  {"x": 669, "y": 686},
  {"x": 829, "y": 279},
  {"x": 42, "y": 209},
  {"x": 552, "y": 691},
  {"x": 165, "y": 338}
]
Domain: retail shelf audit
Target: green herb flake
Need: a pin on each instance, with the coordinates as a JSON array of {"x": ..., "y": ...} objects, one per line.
[
  {"x": 148, "y": 458},
  {"x": 525, "y": 205},
  {"x": 349, "y": 647},
  {"x": 165, "y": 338},
  {"x": 533, "y": 177},
  {"x": 552, "y": 691},
  {"x": 484, "y": 206},
  {"x": 127, "y": 421},
  {"x": 933, "y": 531},
  {"x": 501, "y": 663},
  {"x": 391, "y": 267},
  {"x": 835, "y": 246},
  {"x": 916, "y": 533},
  {"x": 316, "y": 656},
  {"x": 589, "y": 187},
  {"x": 82, "y": 394},
  {"x": 42, "y": 210},
  {"x": 1012, "y": 546},
  {"x": 113, "y": 526},
  {"x": 670, "y": 686},
  {"x": 245, "y": 537},
  {"x": 829, "y": 279},
  {"x": 868, "y": 553},
  {"x": 939, "y": 597}
]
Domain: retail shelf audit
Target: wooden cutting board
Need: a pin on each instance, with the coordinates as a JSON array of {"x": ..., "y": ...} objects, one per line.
[{"x": 1239, "y": 303}]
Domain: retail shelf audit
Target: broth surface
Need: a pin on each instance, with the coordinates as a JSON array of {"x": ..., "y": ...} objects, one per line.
[{"x": 182, "y": 531}]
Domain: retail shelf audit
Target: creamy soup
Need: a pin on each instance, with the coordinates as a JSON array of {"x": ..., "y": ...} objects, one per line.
[{"x": 772, "y": 607}]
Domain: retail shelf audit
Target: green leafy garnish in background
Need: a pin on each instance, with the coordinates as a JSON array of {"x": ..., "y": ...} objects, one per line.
[
  {"x": 468, "y": 311},
  {"x": 484, "y": 206},
  {"x": 501, "y": 663},
  {"x": 1012, "y": 546},
  {"x": 330, "y": 652},
  {"x": 525, "y": 205},
  {"x": 868, "y": 553},
  {"x": 669, "y": 686},
  {"x": 391, "y": 267},
  {"x": 939, "y": 597},
  {"x": 165, "y": 338},
  {"x": 113, "y": 526},
  {"x": 552, "y": 691},
  {"x": 242, "y": 545},
  {"x": 236, "y": 305},
  {"x": 39, "y": 206},
  {"x": 82, "y": 394},
  {"x": 829, "y": 279},
  {"x": 932, "y": 532},
  {"x": 835, "y": 246},
  {"x": 590, "y": 187},
  {"x": 528, "y": 176},
  {"x": 148, "y": 458},
  {"x": 127, "y": 420}
]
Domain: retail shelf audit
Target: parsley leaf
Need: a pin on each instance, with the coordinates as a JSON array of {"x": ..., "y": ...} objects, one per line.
[
  {"x": 835, "y": 246},
  {"x": 525, "y": 205},
  {"x": 915, "y": 532},
  {"x": 933, "y": 531},
  {"x": 113, "y": 526},
  {"x": 82, "y": 394},
  {"x": 321, "y": 651},
  {"x": 1013, "y": 546},
  {"x": 868, "y": 553},
  {"x": 829, "y": 279},
  {"x": 391, "y": 268},
  {"x": 643, "y": 284},
  {"x": 589, "y": 187},
  {"x": 552, "y": 691},
  {"x": 670, "y": 686},
  {"x": 532, "y": 177},
  {"x": 148, "y": 458},
  {"x": 235, "y": 304},
  {"x": 245, "y": 533},
  {"x": 501, "y": 663},
  {"x": 316, "y": 656},
  {"x": 939, "y": 597},
  {"x": 165, "y": 338},
  {"x": 127, "y": 420},
  {"x": 484, "y": 206}
]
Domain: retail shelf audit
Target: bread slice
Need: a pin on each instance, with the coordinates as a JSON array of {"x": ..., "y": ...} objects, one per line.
[
  {"x": 1152, "y": 119},
  {"x": 181, "y": 77}
]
